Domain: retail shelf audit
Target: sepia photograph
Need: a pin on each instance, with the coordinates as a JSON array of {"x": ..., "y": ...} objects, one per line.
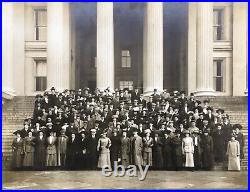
[{"x": 124, "y": 95}]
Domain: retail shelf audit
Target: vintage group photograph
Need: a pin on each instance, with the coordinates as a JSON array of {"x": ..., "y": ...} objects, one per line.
[{"x": 124, "y": 95}]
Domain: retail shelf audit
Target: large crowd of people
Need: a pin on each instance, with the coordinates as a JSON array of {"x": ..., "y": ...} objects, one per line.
[{"x": 87, "y": 129}]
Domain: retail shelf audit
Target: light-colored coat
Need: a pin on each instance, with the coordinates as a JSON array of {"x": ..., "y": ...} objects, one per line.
[
  {"x": 136, "y": 150},
  {"x": 233, "y": 152},
  {"x": 188, "y": 151}
]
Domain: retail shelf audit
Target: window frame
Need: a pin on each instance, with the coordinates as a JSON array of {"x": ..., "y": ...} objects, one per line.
[
  {"x": 126, "y": 84},
  {"x": 222, "y": 25},
  {"x": 35, "y": 60},
  {"x": 127, "y": 58},
  {"x": 222, "y": 76},
  {"x": 35, "y": 23}
]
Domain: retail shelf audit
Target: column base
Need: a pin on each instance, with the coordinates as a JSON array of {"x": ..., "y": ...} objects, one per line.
[
  {"x": 246, "y": 91},
  {"x": 204, "y": 92},
  {"x": 7, "y": 94}
]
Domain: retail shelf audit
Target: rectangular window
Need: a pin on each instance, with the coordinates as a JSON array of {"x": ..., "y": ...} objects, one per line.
[
  {"x": 218, "y": 75},
  {"x": 126, "y": 84},
  {"x": 40, "y": 24},
  {"x": 126, "y": 59},
  {"x": 40, "y": 74},
  {"x": 218, "y": 24}
]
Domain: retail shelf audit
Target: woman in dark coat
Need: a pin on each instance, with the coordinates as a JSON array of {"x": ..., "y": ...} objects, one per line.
[
  {"x": 197, "y": 149},
  {"x": 29, "y": 150},
  {"x": 115, "y": 148},
  {"x": 157, "y": 151},
  {"x": 240, "y": 138},
  {"x": 125, "y": 149},
  {"x": 167, "y": 151},
  {"x": 72, "y": 152},
  {"x": 219, "y": 144},
  {"x": 177, "y": 150},
  {"x": 40, "y": 151},
  {"x": 207, "y": 151},
  {"x": 82, "y": 151},
  {"x": 17, "y": 150}
]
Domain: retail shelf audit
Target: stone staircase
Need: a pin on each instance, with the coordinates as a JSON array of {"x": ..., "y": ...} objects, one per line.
[
  {"x": 237, "y": 109},
  {"x": 13, "y": 113},
  {"x": 16, "y": 110}
]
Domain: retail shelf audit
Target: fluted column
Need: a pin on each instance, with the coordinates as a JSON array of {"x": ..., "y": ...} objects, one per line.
[
  {"x": 204, "y": 80},
  {"x": 7, "y": 50},
  {"x": 105, "y": 46},
  {"x": 153, "y": 47},
  {"x": 58, "y": 46}
]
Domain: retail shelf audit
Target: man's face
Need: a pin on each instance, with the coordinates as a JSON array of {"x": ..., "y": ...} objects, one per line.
[{"x": 205, "y": 122}]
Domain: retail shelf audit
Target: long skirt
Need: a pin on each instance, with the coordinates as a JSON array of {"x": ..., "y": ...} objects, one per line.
[
  {"x": 147, "y": 158},
  {"x": 17, "y": 159},
  {"x": 51, "y": 160},
  {"x": 28, "y": 160},
  {"x": 234, "y": 163},
  {"x": 189, "y": 160},
  {"x": 104, "y": 160}
]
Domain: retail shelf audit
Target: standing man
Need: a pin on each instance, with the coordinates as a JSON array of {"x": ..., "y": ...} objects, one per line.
[
  {"x": 92, "y": 154},
  {"x": 62, "y": 149},
  {"x": 136, "y": 148}
]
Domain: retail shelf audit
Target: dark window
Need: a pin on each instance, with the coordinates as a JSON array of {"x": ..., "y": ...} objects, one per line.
[
  {"x": 41, "y": 83},
  {"x": 218, "y": 75},
  {"x": 40, "y": 74}
]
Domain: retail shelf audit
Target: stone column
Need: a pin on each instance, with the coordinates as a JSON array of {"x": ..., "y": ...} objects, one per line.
[
  {"x": 240, "y": 48},
  {"x": 58, "y": 46},
  {"x": 105, "y": 46},
  {"x": 8, "y": 50},
  {"x": 204, "y": 49},
  {"x": 153, "y": 47}
]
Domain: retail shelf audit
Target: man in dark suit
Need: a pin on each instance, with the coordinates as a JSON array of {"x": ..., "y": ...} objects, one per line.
[
  {"x": 135, "y": 95},
  {"x": 92, "y": 154},
  {"x": 72, "y": 151}
]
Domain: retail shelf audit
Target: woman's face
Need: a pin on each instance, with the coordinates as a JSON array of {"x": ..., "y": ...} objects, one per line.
[
  {"x": 233, "y": 138},
  {"x": 30, "y": 134},
  {"x": 83, "y": 135},
  {"x": 40, "y": 134},
  {"x": 187, "y": 135}
]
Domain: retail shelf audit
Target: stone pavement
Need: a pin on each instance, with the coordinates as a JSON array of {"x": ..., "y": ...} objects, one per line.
[{"x": 94, "y": 180}]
